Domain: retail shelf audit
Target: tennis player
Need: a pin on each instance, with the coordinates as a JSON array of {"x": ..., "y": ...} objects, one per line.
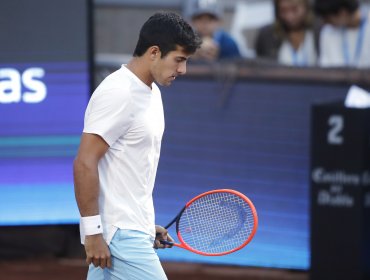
[{"x": 116, "y": 164}]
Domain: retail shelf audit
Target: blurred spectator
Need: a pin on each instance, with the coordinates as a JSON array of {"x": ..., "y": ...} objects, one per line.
[
  {"x": 206, "y": 18},
  {"x": 293, "y": 38},
  {"x": 345, "y": 38}
]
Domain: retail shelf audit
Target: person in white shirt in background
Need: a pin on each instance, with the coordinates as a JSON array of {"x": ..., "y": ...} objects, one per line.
[
  {"x": 116, "y": 164},
  {"x": 345, "y": 37},
  {"x": 293, "y": 38}
]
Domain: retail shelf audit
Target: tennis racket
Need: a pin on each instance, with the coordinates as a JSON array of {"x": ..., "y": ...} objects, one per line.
[{"x": 215, "y": 223}]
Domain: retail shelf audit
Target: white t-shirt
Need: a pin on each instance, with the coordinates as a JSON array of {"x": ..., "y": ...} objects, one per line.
[
  {"x": 128, "y": 115},
  {"x": 341, "y": 47},
  {"x": 304, "y": 56}
]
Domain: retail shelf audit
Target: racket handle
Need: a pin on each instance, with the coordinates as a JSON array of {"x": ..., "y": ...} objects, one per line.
[{"x": 165, "y": 242}]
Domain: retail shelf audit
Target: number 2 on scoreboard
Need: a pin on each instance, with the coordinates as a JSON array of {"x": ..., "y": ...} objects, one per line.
[{"x": 336, "y": 124}]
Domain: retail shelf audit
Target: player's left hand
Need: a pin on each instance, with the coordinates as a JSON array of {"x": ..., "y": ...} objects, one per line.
[{"x": 162, "y": 234}]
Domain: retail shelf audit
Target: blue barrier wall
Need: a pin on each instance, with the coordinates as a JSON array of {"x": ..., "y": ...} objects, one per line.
[{"x": 255, "y": 141}]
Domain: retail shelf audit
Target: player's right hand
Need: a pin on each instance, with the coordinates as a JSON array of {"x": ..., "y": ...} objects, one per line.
[{"x": 97, "y": 251}]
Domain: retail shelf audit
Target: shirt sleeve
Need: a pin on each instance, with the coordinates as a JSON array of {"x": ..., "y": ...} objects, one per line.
[
  {"x": 228, "y": 46},
  {"x": 108, "y": 114}
]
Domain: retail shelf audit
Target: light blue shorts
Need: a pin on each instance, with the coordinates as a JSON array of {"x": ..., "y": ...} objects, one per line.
[{"x": 133, "y": 258}]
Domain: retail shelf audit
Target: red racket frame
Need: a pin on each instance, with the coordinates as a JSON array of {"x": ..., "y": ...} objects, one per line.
[{"x": 183, "y": 244}]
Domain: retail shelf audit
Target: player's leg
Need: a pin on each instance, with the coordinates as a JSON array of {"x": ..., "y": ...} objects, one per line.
[{"x": 133, "y": 257}]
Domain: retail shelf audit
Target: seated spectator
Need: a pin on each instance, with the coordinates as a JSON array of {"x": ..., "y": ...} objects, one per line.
[
  {"x": 345, "y": 38},
  {"x": 206, "y": 19},
  {"x": 293, "y": 38}
]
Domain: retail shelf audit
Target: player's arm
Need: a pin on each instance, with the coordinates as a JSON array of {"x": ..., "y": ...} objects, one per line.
[{"x": 86, "y": 182}]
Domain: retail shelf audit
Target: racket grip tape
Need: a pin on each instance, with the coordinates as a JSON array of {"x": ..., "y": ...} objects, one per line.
[{"x": 165, "y": 242}]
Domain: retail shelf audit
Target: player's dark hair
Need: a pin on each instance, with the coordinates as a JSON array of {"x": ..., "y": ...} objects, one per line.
[
  {"x": 332, "y": 7},
  {"x": 167, "y": 30}
]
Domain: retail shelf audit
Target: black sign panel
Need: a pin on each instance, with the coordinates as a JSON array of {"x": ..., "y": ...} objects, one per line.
[{"x": 340, "y": 180}]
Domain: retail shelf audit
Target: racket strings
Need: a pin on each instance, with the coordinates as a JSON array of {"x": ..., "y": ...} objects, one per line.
[{"x": 217, "y": 223}]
